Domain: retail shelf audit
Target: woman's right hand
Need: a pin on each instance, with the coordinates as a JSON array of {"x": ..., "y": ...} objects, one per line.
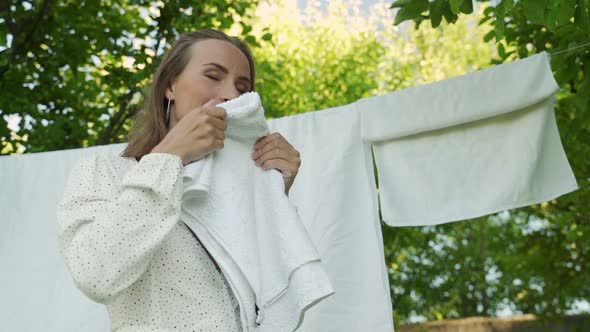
[{"x": 197, "y": 134}]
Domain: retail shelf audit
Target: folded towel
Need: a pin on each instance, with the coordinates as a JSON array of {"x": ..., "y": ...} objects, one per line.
[
  {"x": 468, "y": 146},
  {"x": 242, "y": 216}
]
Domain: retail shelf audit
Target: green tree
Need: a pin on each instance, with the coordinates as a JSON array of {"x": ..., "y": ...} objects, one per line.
[
  {"x": 74, "y": 72},
  {"x": 325, "y": 58}
]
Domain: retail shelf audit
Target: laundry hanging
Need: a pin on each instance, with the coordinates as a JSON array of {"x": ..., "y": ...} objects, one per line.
[
  {"x": 468, "y": 146},
  {"x": 342, "y": 220},
  {"x": 336, "y": 198}
]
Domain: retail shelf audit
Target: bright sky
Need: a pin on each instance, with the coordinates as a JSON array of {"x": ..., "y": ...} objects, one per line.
[{"x": 365, "y": 4}]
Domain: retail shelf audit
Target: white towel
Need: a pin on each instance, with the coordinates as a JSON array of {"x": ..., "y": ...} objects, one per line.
[
  {"x": 242, "y": 216},
  {"x": 468, "y": 146},
  {"x": 336, "y": 198}
]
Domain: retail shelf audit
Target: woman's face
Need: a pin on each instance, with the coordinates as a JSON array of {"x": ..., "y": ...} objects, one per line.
[{"x": 216, "y": 70}]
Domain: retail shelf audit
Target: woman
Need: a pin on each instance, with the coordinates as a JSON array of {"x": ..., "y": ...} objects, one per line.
[{"x": 119, "y": 226}]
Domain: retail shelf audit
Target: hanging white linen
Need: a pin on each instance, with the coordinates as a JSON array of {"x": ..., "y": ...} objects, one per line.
[
  {"x": 37, "y": 290},
  {"x": 334, "y": 192},
  {"x": 468, "y": 146},
  {"x": 336, "y": 198}
]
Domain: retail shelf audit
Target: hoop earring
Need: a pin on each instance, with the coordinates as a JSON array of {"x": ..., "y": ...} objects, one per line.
[{"x": 168, "y": 113}]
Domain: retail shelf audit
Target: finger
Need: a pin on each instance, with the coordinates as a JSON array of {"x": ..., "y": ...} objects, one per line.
[
  {"x": 291, "y": 164},
  {"x": 211, "y": 102},
  {"x": 276, "y": 149},
  {"x": 272, "y": 141},
  {"x": 217, "y": 123},
  {"x": 269, "y": 146},
  {"x": 217, "y": 112},
  {"x": 219, "y": 134},
  {"x": 291, "y": 155},
  {"x": 281, "y": 165},
  {"x": 271, "y": 154},
  {"x": 216, "y": 144},
  {"x": 266, "y": 139}
]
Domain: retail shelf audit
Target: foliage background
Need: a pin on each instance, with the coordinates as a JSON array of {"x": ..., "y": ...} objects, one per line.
[{"x": 73, "y": 73}]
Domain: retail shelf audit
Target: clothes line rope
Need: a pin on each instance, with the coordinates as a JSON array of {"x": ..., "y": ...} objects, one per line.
[{"x": 570, "y": 49}]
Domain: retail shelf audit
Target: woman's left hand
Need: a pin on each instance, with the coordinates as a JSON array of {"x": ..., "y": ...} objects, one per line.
[{"x": 273, "y": 151}]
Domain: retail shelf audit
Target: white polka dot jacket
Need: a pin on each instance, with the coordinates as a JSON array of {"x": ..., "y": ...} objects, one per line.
[{"x": 121, "y": 239}]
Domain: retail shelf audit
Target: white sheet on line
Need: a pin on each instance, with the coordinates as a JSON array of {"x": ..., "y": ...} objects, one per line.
[
  {"x": 342, "y": 219},
  {"x": 468, "y": 146},
  {"x": 336, "y": 198},
  {"x": 38, "y": 293}
]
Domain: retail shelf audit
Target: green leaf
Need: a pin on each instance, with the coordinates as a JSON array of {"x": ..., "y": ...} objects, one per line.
[
  {"x": 455, "y": 4},
  {"x": 240, "y": 8},
  {"x": 501, "y": 51},
  {"x": 566, "y": 73},
  {"x": 466, "y": 7},
  {"x": 448, "y": 14},
  {"x": 411, "y": 10},
  {"x": 267, "y": 36},
  {"x": 3, "y": 33},
  {"x": 534, "y": 10},
  {"x": 500, "y": 24},
  {"x": 435, "y": 13},
  {"x": 566, "y": 11},
  {"x": 400, "y": 3},
  {"x": 551, "y": 18},
  {"x": 581, "y": 17},
  {"x": 226, "y": 22},
  {"x": 507, "y": 4},
  {"x": 250, "y": 40},
  {"x": 418, "y": 21},
  {"x": 245, "y": 28}
]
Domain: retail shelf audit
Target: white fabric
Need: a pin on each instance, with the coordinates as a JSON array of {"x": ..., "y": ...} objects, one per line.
[
  {"x": 336, "y": 198},
  {"x": 37, "y": 290},
  {"x": 243, "y": 217},
  {"x": 124, "y": 245},
  {"x": 468, "y": 146}
]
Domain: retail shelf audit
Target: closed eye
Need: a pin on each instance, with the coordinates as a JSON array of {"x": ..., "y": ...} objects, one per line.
[
  {"x": 242, "y": 87},
  {"x": 212, "y": 77}
]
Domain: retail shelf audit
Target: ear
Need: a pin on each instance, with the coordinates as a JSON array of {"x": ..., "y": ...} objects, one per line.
[{"x": 169, "y": 93}]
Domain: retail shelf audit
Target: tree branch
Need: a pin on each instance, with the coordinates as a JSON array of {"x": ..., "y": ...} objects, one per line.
[
  {"x": 15, "y": 29},
  {"x": 119, "y": 117}
]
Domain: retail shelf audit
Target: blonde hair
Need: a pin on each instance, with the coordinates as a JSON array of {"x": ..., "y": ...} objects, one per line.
[{"x": 150, "y": 122}]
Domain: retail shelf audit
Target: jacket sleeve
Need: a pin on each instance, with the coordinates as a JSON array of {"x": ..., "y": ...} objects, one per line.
[{"x": 110, "y": 225}]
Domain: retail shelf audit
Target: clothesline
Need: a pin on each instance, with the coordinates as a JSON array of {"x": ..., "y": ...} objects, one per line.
[{"x": 570, "y": 49}]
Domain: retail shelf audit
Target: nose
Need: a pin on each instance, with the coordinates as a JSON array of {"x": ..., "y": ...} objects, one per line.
[{"x": 229, "y": 91}]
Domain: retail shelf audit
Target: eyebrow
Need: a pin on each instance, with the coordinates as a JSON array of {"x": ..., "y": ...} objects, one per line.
[{"x": 224, "y": 70}]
